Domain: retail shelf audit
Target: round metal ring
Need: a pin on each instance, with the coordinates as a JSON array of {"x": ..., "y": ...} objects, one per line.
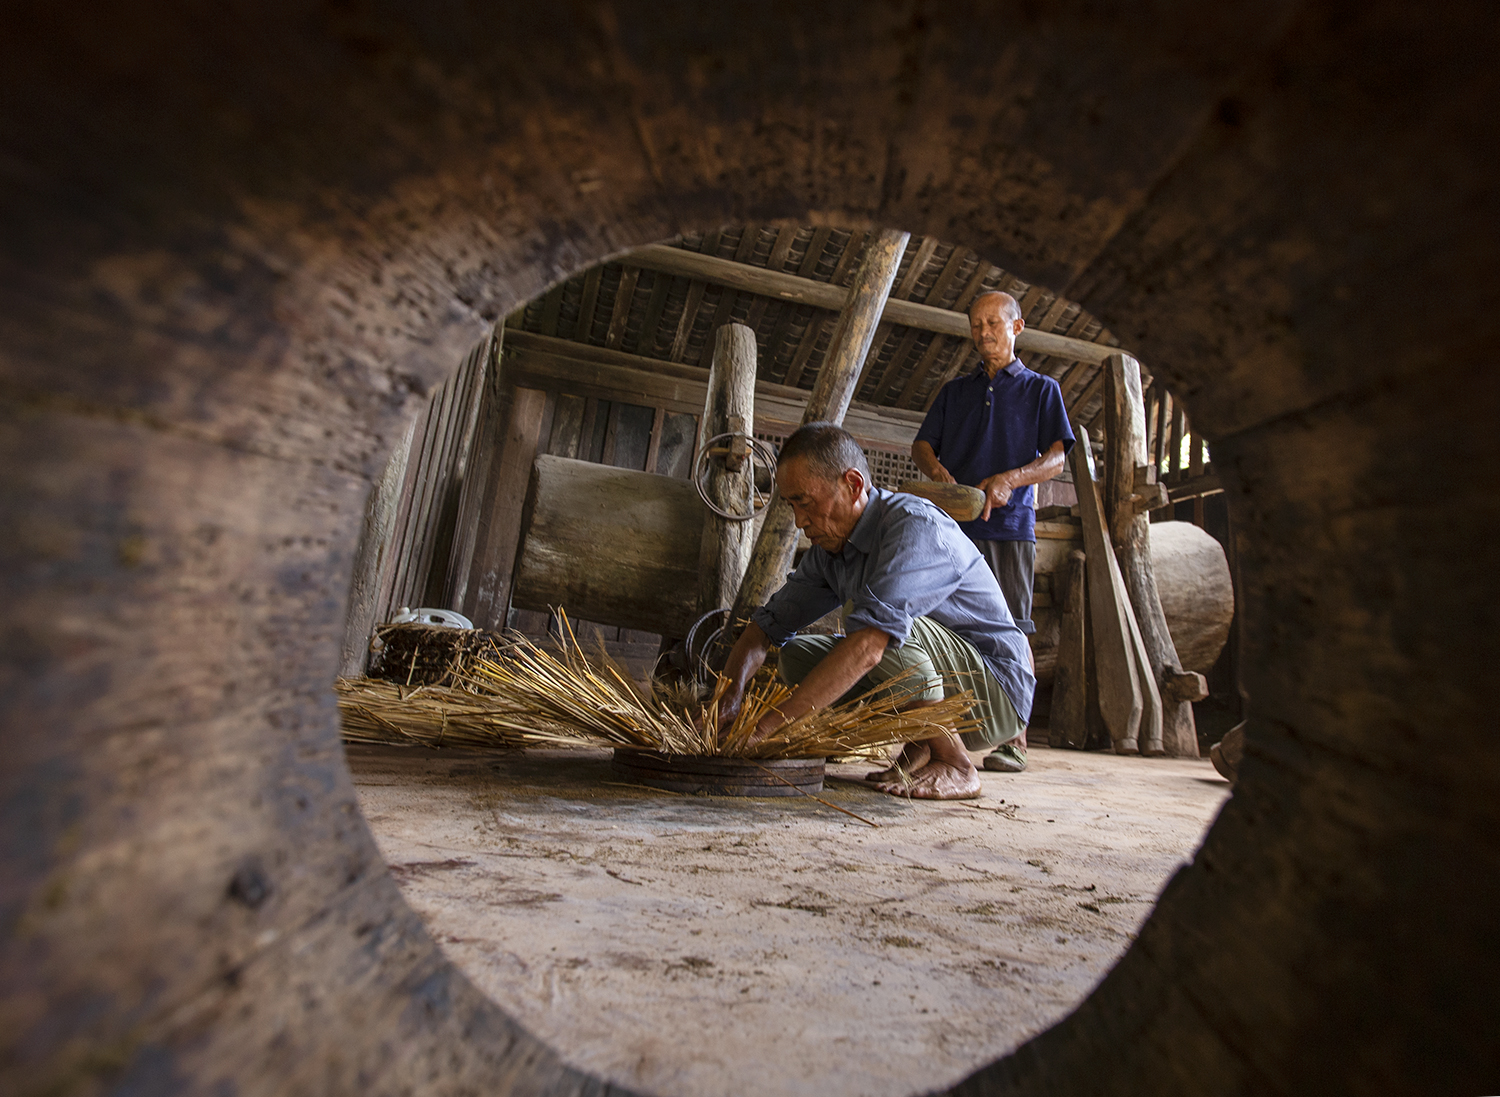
[{"x": 759, "y": 451}]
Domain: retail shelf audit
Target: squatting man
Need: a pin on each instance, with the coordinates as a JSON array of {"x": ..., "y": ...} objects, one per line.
[{"x": 918, "y": 597}]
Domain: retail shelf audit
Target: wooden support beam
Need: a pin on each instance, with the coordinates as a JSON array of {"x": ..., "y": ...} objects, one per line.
[
  {"x": 584, "y": 325},
  {"x": 624, "y": 294},
  {"x": 1130, "y": 530},
  {"x": 909, "y": 340},
  {"x": 696, "y": 289},
  {"x": 901, "y": 292},
  {"x": 371, "y": 557},
  {"x": 541, "y": 362},
  {"x": 1121, "y": 693},
  {"x": 1070, "y": 692},
  {"x": 729, "y": 405},
  {"x": 804, "y": 291},
  {"x": 829, "y": 400},
  {"x": 654, "y": 305},
  {"x": 481, "y": 449},
  {"x": 499, "y": 527},
  {"x": 842, "y": 271}
]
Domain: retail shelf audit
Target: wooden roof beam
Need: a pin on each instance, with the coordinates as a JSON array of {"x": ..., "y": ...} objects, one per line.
[{"x": 805, "y": 291}]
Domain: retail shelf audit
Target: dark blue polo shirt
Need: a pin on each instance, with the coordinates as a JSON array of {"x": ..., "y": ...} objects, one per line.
[{"x": 978, "y": 427}]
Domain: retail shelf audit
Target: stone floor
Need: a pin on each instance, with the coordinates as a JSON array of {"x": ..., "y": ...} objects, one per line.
[{"x": 697, "y": 946}]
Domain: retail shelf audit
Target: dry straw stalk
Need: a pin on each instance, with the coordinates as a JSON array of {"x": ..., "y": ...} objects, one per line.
[{"x": 531, "y": 696}]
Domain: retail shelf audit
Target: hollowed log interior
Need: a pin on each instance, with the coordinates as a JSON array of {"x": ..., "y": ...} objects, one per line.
[{"x": 241, "y": 244}]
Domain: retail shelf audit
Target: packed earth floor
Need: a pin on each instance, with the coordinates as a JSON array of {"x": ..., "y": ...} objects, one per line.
[{"x": 694, "y": 946}]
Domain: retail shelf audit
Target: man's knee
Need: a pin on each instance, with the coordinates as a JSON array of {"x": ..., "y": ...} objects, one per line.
[
  {"x": 799, "y": 655},
  {"x": 909, "y": 669}
]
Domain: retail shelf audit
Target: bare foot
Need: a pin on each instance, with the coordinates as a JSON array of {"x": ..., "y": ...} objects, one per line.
[
  {"x": 937, "y": 781},
  {"x": 913, "y": 757}
]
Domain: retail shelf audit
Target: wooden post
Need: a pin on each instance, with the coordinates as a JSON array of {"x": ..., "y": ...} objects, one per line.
[
  {"x": 828, "y": 402},
  {"x": 1120, "y": 688},
  {"x": 729, "y": 406},
  {"x": 499, "y": 526},
  {"x": 1130, "y": 492},
  {"x": 477, "y": 464},
  {"x": 371, "y": 556},
  {"x": 1069, "y": 684}
]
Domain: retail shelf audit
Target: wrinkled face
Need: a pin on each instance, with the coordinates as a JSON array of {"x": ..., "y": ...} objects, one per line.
[
  {"x": 826, "y": 510},
  {"x": 993, "y": 334}
]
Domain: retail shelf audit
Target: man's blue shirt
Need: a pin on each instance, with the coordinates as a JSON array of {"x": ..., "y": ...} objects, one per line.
[
  {"x": 906, "y": 559},
  {"x": 978, "y": 427}
]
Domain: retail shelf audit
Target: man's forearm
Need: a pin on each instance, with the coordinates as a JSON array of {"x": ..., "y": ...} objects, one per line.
[
  {"x": 1039, "y": 471},
  {"x": 925, "y": 458},
  {"x": 850, "y": 660},
  {"x": 746, "y": 657}
]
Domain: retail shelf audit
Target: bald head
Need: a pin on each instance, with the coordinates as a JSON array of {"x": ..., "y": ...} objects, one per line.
[
  {"x": 1009, "y": 308},
  {"x": 994, "y": 322}
]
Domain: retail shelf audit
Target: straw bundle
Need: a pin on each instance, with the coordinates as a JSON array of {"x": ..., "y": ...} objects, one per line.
[
  {"x": 429, "y": 655},
  {"x": 531, "y": 696}
]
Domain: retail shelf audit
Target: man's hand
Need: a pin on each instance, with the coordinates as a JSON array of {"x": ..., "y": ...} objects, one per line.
[
  {"x": 926, "y": 460},
  {"x": 997, "y": 492},
  {"x": 746, "y": 657},
  {"x": 729, "y": 705}
]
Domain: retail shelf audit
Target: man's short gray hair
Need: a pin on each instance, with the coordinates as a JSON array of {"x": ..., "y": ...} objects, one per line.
[
  {"x": 1008, "y": 303},
  {"x": 829, "y": 450}
]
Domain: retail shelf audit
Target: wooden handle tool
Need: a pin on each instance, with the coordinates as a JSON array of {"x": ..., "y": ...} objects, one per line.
[{"x": 959, "y": 501}]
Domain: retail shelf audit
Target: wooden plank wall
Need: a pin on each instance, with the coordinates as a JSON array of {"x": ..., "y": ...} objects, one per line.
[{"x": 432, "y": 489}]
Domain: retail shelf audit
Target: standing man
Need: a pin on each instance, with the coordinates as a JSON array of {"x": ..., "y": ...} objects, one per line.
[
  {"x": 920, "y": 601},
  {"x": 1001, "y": 429}
]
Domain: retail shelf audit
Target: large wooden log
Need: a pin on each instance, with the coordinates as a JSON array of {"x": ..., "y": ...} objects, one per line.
[
  {"x": 828, "y": 401},
  {"x": 611, "y": 545},
  {"x": 729, "y": 406},
  {"x": 1196, "y": 590},
  {"x": 1130, "y": 491}
]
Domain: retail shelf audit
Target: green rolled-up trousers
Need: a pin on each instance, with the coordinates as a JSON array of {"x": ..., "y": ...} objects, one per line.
[{"x": 943, "y": 664}]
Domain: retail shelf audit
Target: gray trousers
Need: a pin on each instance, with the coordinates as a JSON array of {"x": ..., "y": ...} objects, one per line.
[
  {"x": 1014, "y": 565},
  {"x": 941, "y": 658}
]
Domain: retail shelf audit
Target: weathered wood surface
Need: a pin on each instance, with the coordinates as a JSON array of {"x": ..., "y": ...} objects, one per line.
[
  {"x": 500, "y": 523},
  {"x": 828, "y": 401},
  {"x": 728, "y": 407},
  {"x": 609, "y": 545},
  {"x": 1070, "y": 693},
  {"x": 1197, "y": 593},
  {"x": 1127, "y": 503},
  {"x": 478, "y": 469},
  {"x": 960, "y": 502},
  {"x": 371, "y": 558},
  {"x": 221, "y": 310},
  {"x": 1121, "y": 700},
  {"x": 542, "y": 361},
  {"x": 805, "y": 291}
]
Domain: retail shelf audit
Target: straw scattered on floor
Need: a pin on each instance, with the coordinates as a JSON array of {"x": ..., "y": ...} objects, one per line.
[{"x": 527, "y": 695}]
